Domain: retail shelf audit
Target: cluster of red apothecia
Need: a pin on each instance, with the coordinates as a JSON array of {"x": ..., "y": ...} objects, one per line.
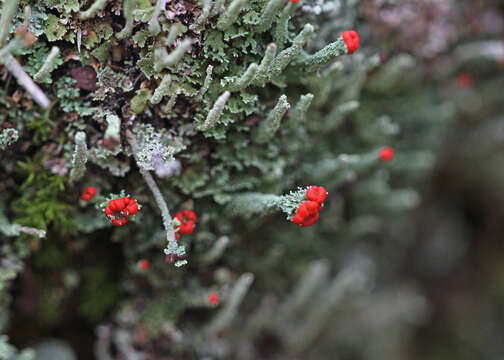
[
  {"x": 118, "y": 210},
  {"x": 89, "y": 193},
  {"x": 308, "y": 212},
  {"x": 187, "y": 220}
]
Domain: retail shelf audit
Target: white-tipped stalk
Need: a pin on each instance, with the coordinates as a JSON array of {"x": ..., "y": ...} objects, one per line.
[
  {"x": 23, "y": 78},
  {"x": 80, "y": 157},
  {"x": 162, "y": 59},
  {"x": 215, "y": 113},
  {"x": 230, "y": 15},
  {"x": 269, "y": 126},
  {"x": 8, "y": 11},
  {"x": 98, "y": 5},
  {"x": 228, "y": 313},
  {"x": 161, "y": 203},
  {"x": 48, "y": 65},
  {"x": 128, "y": 8}
]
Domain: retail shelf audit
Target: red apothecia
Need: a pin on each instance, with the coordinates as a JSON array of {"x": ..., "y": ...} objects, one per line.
[
  {"x": 118, "y": 210},
  {"x": 351, "y": 39},
  {"x": 186, "y": 219},
  {"x": 387, "y": 154},
  {"x": 213, "y": 298},
  {"x": 89, "y": 193},
  {"x": 308, "y": 211}
]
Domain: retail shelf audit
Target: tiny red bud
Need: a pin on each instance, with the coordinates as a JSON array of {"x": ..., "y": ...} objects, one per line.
[
  {"x": 189, "y": 214},
  {"x": 144, "y": 264},
  {"x": 307, "y": 213},
  {"x": 91, "y": 190},
  {"x": 86, "y": 197},
  {"x": 213, "y": 298},
  {"x": 118, "y": 210},
  {"x": 316, "y": 193},
  {"x": 465, "y": 80},
  {"x": 387, "y": 154},
  {"x": 186, "y": 219}
]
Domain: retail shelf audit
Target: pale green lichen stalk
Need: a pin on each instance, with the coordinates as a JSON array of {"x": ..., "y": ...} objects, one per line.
[
  {"x": 8, "y": 11},
  {"x": 154, "y": 26},
  {"x": 242, "y": 82},
  {"x": 298, "y": 114},
  {"x": 215, "y": 113},
  {"x": 113, "y": 128},
  {"x": 162, "y": 90},
  {"x": 128, "y": 8},
  {"x": 96, "y": 6},
  {"x": 286, "y": 56},
  {"x": 230, "y": 14},
  {"x": 268, "y": 15},
  {"x": 80, "y": 157},
  {"x": 269, "y": 126},
  {"x": 48, "y": 66},
  {"x": 207, "y": 82},
  {"x": 263, "y": 73},
  {"x": 228, "y": 313},
  {"x": 162, "y": 59},
  {"x": 325, "y": 55}
]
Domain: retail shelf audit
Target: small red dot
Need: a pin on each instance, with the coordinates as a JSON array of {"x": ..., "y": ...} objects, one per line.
[
  {"x": 213, "y": 298},
  {"x": 144, "y": 264},
  {"x": 465, "y": 80},
  {"x": 387, "y": 154}
]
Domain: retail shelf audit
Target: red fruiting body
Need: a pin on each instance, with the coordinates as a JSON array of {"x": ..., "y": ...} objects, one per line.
[
  {"x": 144, "y": 264},
  {"x": 351, "y": 39},
  {"x": 307, "y": 213},
  {"x": 119, "y": 221},
  {"x": 465, "y": 80},
  {"x": 294, "y": 1},
  {"x": 387, "y": 154},
  {"x": 316, "y": 193},
  {"x": 186, "y": 219},
  {"x": 189, "y": 215},
  {"x": 118, "y": 210},
  {"x": 89, "y": 193},
  {"x": 131, "y": 208},
  {"x": 213, "y": 298}
]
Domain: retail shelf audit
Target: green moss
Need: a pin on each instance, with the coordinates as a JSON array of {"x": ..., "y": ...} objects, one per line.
[
  {"x": 99, "y": 293},
  {"x": 139, "y": 101},
  {"x": 41, "y": 203},
  {"x": 54, "y": 30}
]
